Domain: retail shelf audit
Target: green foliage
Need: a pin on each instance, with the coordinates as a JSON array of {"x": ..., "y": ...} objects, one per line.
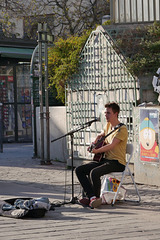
[
  {"x": 63, "y": 61},
  {"x": 142, "y": 48},
  {"x": 108, "y": 22}
]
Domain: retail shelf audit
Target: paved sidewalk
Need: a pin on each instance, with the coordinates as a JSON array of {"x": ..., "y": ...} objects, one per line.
[{"x": 22, "y": 176}]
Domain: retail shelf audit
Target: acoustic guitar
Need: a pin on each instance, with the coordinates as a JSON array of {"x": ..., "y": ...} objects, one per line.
[{"x": 100, "y": 143}]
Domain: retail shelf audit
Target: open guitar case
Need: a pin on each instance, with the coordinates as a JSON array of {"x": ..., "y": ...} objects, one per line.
[{"x": 20, "y": 212}]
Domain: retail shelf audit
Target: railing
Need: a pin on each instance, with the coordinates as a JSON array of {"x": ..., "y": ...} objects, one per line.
[{"x": 135, "y": 11}]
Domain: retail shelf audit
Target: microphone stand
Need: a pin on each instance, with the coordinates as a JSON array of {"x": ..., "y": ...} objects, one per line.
[{"x": 71, "y": 134}]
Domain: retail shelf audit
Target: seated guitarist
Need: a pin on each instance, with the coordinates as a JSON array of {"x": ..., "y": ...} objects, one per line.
[{"x": 114, "y": 159}]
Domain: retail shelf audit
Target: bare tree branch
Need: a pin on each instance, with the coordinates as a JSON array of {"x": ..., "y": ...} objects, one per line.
[{"x": 64, "y": 17}]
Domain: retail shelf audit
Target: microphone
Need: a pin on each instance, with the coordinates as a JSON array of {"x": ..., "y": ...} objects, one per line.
[{"x": 94, "y": 120}]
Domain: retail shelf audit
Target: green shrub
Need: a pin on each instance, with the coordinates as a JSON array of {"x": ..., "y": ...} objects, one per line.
[{"x": 63, "y": 61}]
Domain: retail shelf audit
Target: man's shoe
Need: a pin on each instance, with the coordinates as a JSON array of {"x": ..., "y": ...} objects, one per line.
[
  {"x": 84, "y": 201},
  {"x": 95, "y": 202}
]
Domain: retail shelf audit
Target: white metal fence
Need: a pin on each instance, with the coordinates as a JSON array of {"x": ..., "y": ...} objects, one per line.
[{"x": 134, "y": 11}]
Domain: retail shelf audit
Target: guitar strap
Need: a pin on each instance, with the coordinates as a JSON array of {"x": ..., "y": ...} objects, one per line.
[{"x": 104, "y": 137}]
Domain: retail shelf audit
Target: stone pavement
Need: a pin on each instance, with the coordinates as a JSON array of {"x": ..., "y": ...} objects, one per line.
[{"x": 22, "y": 176}]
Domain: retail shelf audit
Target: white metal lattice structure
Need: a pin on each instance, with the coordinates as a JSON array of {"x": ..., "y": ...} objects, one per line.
[{"x": 103, "y": 77}]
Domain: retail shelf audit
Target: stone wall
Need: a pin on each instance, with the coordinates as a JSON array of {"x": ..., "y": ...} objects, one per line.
[{"x": 147, "y": 93}]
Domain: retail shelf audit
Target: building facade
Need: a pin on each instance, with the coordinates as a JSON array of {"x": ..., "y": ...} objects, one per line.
[{"x": 15, "y": 87}]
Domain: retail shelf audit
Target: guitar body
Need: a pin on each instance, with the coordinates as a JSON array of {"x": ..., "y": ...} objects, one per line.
[{"x": 97, "y": 157}]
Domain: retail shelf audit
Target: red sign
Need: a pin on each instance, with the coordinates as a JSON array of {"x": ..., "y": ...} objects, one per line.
[{"x": 10, "y": 78}]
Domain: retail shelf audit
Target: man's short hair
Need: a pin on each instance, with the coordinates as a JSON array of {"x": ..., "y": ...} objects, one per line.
[{"x": 115, "y": 107}]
